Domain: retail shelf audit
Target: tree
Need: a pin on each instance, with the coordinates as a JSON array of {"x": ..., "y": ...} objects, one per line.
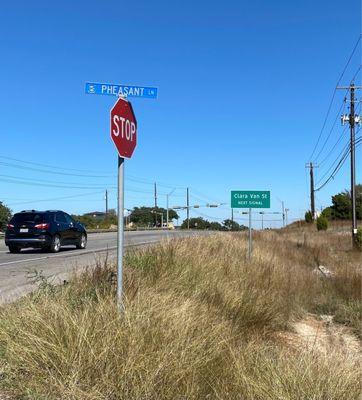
[
  {"x": 231, "y": 225},
  {"x": 327, "y": 212},
  {"x": 322, "y": 223},
  {"x": 145, "y": 216},
  {"x": 215, "y": 226},
  {"x": 196, "y": 223},
  {"x": 308, "y": 217},
  {"x": 341, "y": 204},
  {"x": 5, "y": 216}
]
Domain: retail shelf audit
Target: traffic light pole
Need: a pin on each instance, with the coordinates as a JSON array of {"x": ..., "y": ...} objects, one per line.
[{"x": 120, "y": 232}]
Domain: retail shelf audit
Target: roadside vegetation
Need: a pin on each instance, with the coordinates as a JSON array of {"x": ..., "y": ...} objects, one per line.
[{"x": 200, "y": 322}]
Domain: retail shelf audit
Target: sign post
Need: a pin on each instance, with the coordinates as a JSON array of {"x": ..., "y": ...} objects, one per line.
[
  {"x": 124, "y": 136},
  {"x": 250, "y": 238},
  {"x": 250, "y": 199}
]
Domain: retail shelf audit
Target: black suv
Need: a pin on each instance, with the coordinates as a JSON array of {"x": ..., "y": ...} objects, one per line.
[{"x": 47, "y": 230}]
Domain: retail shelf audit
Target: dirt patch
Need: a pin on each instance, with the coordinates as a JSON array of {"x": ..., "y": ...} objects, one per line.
[{"x": 321, "y": 334}]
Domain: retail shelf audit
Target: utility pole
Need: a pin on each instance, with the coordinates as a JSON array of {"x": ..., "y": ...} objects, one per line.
[
  {"x": 311, "y": 166},
  {"x": 168, "y": 207},
  {"x": 352, "y": 118},
  {"x": 286, "y": 216},
  {"x": 188, "y": 208},
  {"x": 106, "y": 198},
  {"x": 155, "y": 195},
  {"x": 353, "y": 164},
  {"x": 283, "y": 213}
]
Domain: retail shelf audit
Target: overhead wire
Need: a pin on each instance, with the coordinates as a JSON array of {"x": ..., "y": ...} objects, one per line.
[
  {"x": 55, "y": 198},
  {"x": 334, "y": 146},
  {"x": 333, "y": 96},
  {"x": 340, "y": 111},
  {"x": 335, "y": 171},
  {"x": 344, "y": 150}
]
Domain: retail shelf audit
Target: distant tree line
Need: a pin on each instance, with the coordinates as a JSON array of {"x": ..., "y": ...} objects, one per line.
[
  {"x": 204, "y": 224},
  {"x": 151, "y": 216},
  {"x": 97, "y": 220}
]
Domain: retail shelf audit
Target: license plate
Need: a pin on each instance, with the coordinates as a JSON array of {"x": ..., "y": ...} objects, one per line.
[{"x": 24, "y": 230}]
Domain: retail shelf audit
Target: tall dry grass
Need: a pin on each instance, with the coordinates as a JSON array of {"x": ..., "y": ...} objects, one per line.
[{"x": 199, "y": 323}]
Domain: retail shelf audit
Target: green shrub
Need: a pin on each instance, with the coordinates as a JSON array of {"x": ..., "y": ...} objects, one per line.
[
  {"x": 308, "y": 217},
  {"x": 322, "y": 223}
]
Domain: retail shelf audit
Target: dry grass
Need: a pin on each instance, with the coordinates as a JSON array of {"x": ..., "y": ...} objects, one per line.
[{"x": 200, "y": 322}]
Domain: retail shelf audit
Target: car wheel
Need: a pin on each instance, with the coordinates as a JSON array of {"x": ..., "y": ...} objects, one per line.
[
  {"x": 55, "y": 245},
  {"x": 82, "y": 243},
  {"x": 14, "y": 249}
]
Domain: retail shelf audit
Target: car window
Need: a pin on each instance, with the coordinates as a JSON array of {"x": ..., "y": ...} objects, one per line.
[
  {"x": 60, "y": 217},
  {"x": 34, "y": 218},
  {"x": 68, "y": 219}
]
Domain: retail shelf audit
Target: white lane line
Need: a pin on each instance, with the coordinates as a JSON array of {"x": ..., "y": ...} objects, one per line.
[{"x": 74, "y": 253}]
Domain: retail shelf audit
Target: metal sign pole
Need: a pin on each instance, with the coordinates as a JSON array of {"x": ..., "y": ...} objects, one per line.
[
  {"x": 120, "y": 232},
  {"x": 250, "y": 244}
]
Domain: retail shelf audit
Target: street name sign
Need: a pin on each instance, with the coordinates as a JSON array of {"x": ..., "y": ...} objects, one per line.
[
  {"x": 250, "y": 199},
  {"x": 110, "y": 89},
  {"x": 124, "y": 128}
]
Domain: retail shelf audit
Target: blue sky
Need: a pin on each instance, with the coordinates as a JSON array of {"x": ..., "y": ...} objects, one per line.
[{"x": 244, "y": 87}]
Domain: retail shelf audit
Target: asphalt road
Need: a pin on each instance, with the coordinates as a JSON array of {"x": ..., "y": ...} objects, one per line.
[{"x": 16, "y": 269}]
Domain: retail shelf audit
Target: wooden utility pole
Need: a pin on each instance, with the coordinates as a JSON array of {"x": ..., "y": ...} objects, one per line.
[
  {"x": 311, "y": 166},
  {"x": 352, "y": 119}
]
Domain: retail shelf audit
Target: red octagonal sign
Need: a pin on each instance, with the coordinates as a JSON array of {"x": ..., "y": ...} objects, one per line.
[{"x": 124, "y": 128}]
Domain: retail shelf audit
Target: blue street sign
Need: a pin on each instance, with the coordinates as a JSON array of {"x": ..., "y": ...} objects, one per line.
[{"x": 121, "y": 90}]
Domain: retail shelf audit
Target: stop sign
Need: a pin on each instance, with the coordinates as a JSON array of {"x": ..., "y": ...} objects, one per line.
[{"x": 124, "y": 128}]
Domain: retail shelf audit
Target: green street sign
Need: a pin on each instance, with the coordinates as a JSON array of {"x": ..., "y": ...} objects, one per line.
[{"x": 250, "y": 199}]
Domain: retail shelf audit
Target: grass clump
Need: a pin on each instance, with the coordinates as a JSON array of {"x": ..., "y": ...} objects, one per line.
[{"x": 199, "y": 322}]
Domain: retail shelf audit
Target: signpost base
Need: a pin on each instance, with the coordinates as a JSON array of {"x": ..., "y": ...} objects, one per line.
[
  {"x": 250, "y": 238},
  {"x": 120, "y": 232}
]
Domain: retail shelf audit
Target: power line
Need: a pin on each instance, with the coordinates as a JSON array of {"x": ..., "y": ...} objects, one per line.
[
  {"x": 96, "y": 185},
  {"x": 55, "y": 198},
  {"x": 340, "y": 111},
  {"x": 212, "y": 200},
  {"x": 45, "y": 165},
  {"x": 335, "y": 171},
  {"x": 338, "y": 141},
  {"x": 336, "y": 160},
  {"x": 84, "y": 174},
  {"x": 340, "y": 164},
  {"x": 335, "y": 145},
  {"x": 333, "y": 96},
  {"x": 22, "y": 167}
]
